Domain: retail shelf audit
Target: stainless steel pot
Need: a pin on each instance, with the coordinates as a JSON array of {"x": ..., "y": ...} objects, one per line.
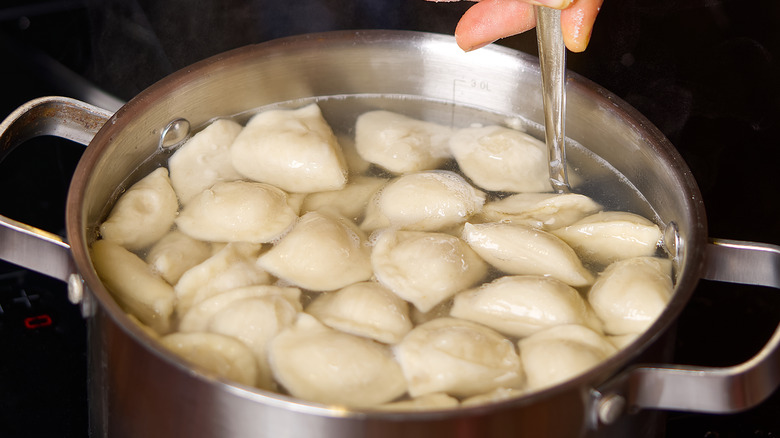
[{"x": 139, "y": 389}]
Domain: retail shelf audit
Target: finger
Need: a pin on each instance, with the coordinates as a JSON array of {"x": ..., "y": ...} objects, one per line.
[
  {"x": 490, "y": 20},
  {"x": 577, "y": 23}
]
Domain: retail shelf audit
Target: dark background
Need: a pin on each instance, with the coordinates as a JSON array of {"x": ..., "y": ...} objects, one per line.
[{"x": 706, "y": 72}]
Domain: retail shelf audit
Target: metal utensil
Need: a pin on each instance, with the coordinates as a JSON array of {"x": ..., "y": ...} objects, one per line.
[{"x": 552, "y": 58}]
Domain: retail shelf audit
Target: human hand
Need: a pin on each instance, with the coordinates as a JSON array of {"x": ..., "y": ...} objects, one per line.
[{"x": 490, "y": 20}]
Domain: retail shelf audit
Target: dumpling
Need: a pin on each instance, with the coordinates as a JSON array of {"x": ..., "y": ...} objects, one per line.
[
  {"x": 134, "y": 285},
  {"x": 365, "y": 309},
  {"x": 204, "y": 160},
  {"x": 523, "y": 305},
  {"x": 349, "y": 202},
  {"x": 400, "y": 144},
  {"x": 424, "y": 201},
  {"x": 630, "y": 294},
  {"x": 501, "y": 159},
  {"x": 232, "y": 267},
  {"x": 317, "y": 363},
  {"x": 175, "y": 253},
  {"x": 425, "y": 268},
  {"x": 255, "y": 321},
  {"x": 545, "y": 211},
  {"x": 521, "y": 250},
  {"x": 237, "y": 211},
  {"x": 611, "y": 235},
  {"x": 561, "y": 352},
  {"x": 222, "y": 355},
  {"x": 322, "y": 252},
  {"x": 143, "y": 214},
  {"x": 424, "y": 402},
  {"x": 294, "y": 150},
  {"x": 457, "y": 357},
  {"x": 198, "y": 317}
]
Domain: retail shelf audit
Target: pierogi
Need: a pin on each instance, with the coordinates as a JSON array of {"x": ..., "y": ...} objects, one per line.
[{"x": 393, "y": 264}]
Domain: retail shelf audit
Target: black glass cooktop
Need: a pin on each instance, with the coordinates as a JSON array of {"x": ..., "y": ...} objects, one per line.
[{"x": 706, "y": 72}]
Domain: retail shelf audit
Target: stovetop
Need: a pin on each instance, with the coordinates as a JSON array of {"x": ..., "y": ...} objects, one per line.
[{"x": 706, "y": 72}]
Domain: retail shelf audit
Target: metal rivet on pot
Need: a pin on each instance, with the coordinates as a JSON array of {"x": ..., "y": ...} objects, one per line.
[
  {"x": 611, "y": 408},
  {"x": 175, "y": 133},
  {"x": 672, "y": 241},
  {"x": 75, "y": 288}
]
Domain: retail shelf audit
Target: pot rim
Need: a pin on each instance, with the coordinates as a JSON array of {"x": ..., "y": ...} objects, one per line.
[{"x": 690, "y": 270}]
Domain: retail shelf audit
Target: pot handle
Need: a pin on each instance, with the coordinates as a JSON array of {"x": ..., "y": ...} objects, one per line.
[
  {"x": 63, "y": 117},
  {"x": 705, "y": 389}
]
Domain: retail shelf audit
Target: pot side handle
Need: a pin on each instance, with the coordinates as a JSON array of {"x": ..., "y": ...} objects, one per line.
[
  {"x": 63, "y": 117},
  {"x": 706, "y": 389}
]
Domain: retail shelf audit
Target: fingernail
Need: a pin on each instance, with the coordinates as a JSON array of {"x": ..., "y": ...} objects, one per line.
[{"x": 478, "y": 46}]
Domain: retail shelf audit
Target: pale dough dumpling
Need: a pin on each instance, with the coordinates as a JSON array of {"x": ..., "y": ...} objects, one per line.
[
  {"x": 501, "y": 159},
  {"x": 204, "y": 160},
  {"x": 630, "y": 294},
  {"x": 365, "y": 309},
  {"x": 425, "y": 268},
  {"x": 457, "y": 357},
  {"x": 400, "y": 144},
  {"x": 198, "y": 317},
  {"x": 237, "y": 211},
  {"x": 611, "y": 235},
  {"x": 561, "y": 352},
  {"x": 521, "y": 250},
  {"x": 143, "y": 214},
  {"x": 319, "y": 364},
  {"x": 523, "y": 305},
  {"x": 134, "y": 285},
  {"x": 232, "y": 267},
  {"x": 222, "y": 355},
  {"x": 175, "y": 253},
  {"x": 350, "y": 201},
  {"x": 255, "y": 321},
  {"x": 323, "y": 252},
  {"x": 294, "y": 150},
  {"x": 545, "y": 211},
  {"x": 424, "y": 201}
]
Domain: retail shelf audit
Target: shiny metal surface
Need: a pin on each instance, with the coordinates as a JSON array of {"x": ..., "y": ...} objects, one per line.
[
  {"x": 552, "y": 60},
  {"x": 140, "y": 389}
]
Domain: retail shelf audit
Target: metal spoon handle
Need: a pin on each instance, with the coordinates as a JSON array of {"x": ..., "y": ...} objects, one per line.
[{"x": 552, "y": 57}]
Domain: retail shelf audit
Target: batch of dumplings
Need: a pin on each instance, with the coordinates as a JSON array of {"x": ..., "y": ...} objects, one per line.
[{"x": 355, "y": 270}]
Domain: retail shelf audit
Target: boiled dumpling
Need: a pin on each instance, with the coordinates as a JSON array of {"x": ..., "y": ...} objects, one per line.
[
  {"x": 198, "y": 317},
  {"x": 521, "y": 250},
  {"x": 457, "y": 357},
  {"x": 561, "y": 352},
  {"x": 255, "y": 321},
  {"x": 204, "y": 160},
  {"x": 323, "y": 365},
  {"x": 400, "y": 144},
  {"x": 237, "y": 211},
  {"x": 422, "y": 403},
  {"x": 143, "y": 214},
  {"x": 630, "y": 294},
  {"x": 365, "y": 309},
  {"x": 322, "y": 252},
  {"x": 425, "y": 268},
  {"x": 612, "y": 235},
  {"x": 349, "y": 202},
  {"x": 501, "y": 159},
  {"x": 139, "y": 290},
  {"x": 523, "y": 305},
  {"x": 545, "y": 211},
  {"x": 232, "y": 267},
  {"x": 294, "y": 150},
  {"x": 222, "y": 355},
  {"x": 425, "y": 201},
  {"x": 175, "y": 253}
]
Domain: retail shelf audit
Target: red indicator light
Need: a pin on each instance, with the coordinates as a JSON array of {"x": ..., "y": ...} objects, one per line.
[{"x": 39, "y": 321}]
